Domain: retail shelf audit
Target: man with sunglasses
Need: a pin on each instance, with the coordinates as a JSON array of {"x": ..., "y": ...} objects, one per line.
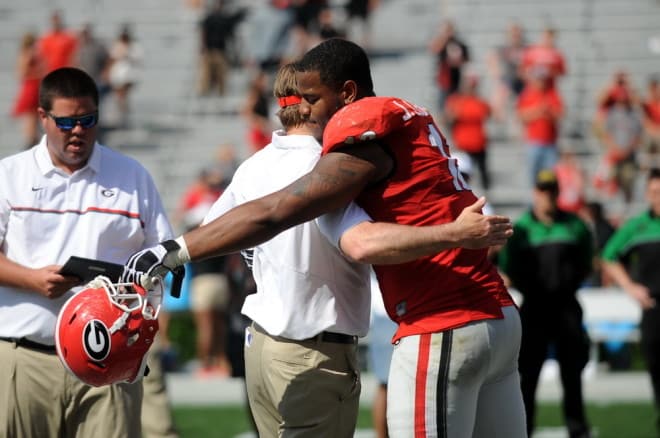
[{"x": 66, "y": 196}]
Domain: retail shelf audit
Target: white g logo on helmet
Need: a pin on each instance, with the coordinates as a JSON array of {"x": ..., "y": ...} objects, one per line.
[{"x": 96, "y": 340}]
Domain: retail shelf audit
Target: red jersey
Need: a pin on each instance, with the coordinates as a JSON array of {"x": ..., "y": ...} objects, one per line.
[
  {"x": 435, "y": 293},
  {"x": 470, "y": 116},
  {"x": 543, "y": 129}
]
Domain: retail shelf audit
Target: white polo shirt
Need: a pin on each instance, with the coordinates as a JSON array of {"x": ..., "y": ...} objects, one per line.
[
  {"x": 107, "y": 210},
  {"x": 304, "y": 284}
]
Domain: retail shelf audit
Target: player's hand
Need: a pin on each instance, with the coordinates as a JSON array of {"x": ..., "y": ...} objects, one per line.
[
  {"x": 641, "y": 294},
  {"x": 475, "y": 230},
  {"x": 149, "y": 266},
  {"x": 47, "y": 281}
]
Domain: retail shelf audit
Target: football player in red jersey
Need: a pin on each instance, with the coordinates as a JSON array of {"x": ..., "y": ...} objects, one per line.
[{"x": 454, "y": 367}]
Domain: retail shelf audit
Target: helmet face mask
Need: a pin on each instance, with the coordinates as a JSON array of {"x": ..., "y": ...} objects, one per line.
[{"x": 104, "y": 332}]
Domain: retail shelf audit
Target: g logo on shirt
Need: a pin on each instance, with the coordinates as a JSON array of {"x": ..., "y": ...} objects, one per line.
[{"x": 96, "y": 340}]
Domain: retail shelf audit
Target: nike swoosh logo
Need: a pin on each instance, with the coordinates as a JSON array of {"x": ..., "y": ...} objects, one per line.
[{"x": 36, "y": 189}]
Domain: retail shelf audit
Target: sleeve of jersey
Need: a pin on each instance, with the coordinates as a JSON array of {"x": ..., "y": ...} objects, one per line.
[
  {"x": 363, "y": 121},
  {"x": 613, "y": 250}
]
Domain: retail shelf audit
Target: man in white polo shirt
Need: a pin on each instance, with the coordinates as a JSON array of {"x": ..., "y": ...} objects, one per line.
[
  {"x": 312, "y": 302},
  {"x": 66, "y": 196}
]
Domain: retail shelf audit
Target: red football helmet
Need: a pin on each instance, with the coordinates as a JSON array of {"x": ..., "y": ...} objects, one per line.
[{"x": 104, "y": 331}]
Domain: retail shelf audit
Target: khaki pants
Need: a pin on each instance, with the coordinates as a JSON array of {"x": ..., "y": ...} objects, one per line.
[
  {"x": 40, "y": 399},
  {"x": 301, "y": 388},
  {"x": 157, "y": 421}
]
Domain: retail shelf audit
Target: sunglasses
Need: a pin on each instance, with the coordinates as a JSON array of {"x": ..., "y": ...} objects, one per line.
[{"x": 68, "y": 123}]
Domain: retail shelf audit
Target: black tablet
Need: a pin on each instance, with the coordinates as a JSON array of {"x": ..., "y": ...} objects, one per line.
[{"x": 88, "y": 269}]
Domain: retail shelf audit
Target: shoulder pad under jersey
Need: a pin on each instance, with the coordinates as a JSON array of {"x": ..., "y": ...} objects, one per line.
[{"x": 368, "y": 119}]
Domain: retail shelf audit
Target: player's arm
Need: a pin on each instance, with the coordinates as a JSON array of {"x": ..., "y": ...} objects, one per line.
[
  {"x": 385, "y": 243},
  {"x": 337, "y": 179}
]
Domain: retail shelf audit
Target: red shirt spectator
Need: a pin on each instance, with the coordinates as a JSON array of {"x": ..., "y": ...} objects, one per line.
[
  {"x": 651, "y": 104},
  {"x": 544, "y": 55},
  {"x": 469, "y": 114},
  {"x": 540, "y": 107},
  {"x": 571, "y": 180},
  {"x": 58, "y": 47}
]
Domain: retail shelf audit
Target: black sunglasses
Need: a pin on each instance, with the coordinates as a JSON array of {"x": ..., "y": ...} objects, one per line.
[{"x": 68, "y": 123}]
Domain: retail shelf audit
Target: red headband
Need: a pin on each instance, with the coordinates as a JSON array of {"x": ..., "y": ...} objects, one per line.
[{"x": 289, "y": 100}]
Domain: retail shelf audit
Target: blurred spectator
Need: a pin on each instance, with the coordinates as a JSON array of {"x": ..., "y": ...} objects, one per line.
[
  {"x": 305, "y": 24},
  {"x": 242, "y": 284},
  {"x": 602, "y": 229},
  {"x": 540, "y": 109},
  {"x": 379, "y": 351},
  {"x": 504, "y": 65},
  {"x": 156, "y": 416},
  {"x": 547, "y": 259},
  {"x": 607, "y": 97},
  {"x": 465, "y": 167},
  {"x": 619, "y": 129},
  {"x": 194, "y": 4},
  {"x": 452, "y": 54},
  {"x": 216, "y": 33},
  {"x": 651, "y": 117},
  {"x": 170, "y": 342},
  {"x": 210, "y": 291},
  {"x": 631, "y": 259},
  {"x": 358, "y": 17},
  {"x": 29, "y": 71},
  {"x": 271, "y": 22},
  {"x": 58, "y": 46},
  {"x": 544, "y": 55},
  {"x": 256, "y": 111},
  {"x": 93, "y": 58},
  {"x": 124, "y": 71},
  {"x": 467, "y": 113},
  {"x": 571, "y": 178},
  {"x": 327, "y": 25}
]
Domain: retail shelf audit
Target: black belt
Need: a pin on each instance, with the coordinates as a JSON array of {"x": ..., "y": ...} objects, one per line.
[
  {"x": 336, "y": 338},
  {"x": 26, "y": 343}
]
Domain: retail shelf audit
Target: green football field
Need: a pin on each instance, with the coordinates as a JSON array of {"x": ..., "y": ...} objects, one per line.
[{"x": 620, "y": 420}]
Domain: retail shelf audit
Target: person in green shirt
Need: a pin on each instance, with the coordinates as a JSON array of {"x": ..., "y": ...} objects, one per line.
[
  {"x": 546, "y": 260},
  {"x": 631, "y": 257}
]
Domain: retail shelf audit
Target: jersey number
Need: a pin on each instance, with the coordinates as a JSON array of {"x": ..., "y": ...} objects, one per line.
[{"x": 436, "y": 140}]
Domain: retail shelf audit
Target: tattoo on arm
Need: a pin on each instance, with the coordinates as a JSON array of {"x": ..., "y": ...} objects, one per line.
[{"x": 324, "y": 180}]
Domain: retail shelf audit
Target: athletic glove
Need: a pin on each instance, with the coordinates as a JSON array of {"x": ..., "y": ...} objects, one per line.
[{"x": 151, "y": 265}]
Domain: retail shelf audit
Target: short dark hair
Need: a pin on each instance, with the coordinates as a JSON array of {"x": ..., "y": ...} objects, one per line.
[
  {"x": 654, "y": 173},
  {"x": 67, "y": 82},
  {"x": 338, "y": 60}
]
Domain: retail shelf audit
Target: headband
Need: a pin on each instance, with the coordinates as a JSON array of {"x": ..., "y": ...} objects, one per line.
[{"x": 289, "y": 100}]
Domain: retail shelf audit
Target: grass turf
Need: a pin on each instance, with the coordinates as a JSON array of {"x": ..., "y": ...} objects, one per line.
[{"x": 618, "y": 420}]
